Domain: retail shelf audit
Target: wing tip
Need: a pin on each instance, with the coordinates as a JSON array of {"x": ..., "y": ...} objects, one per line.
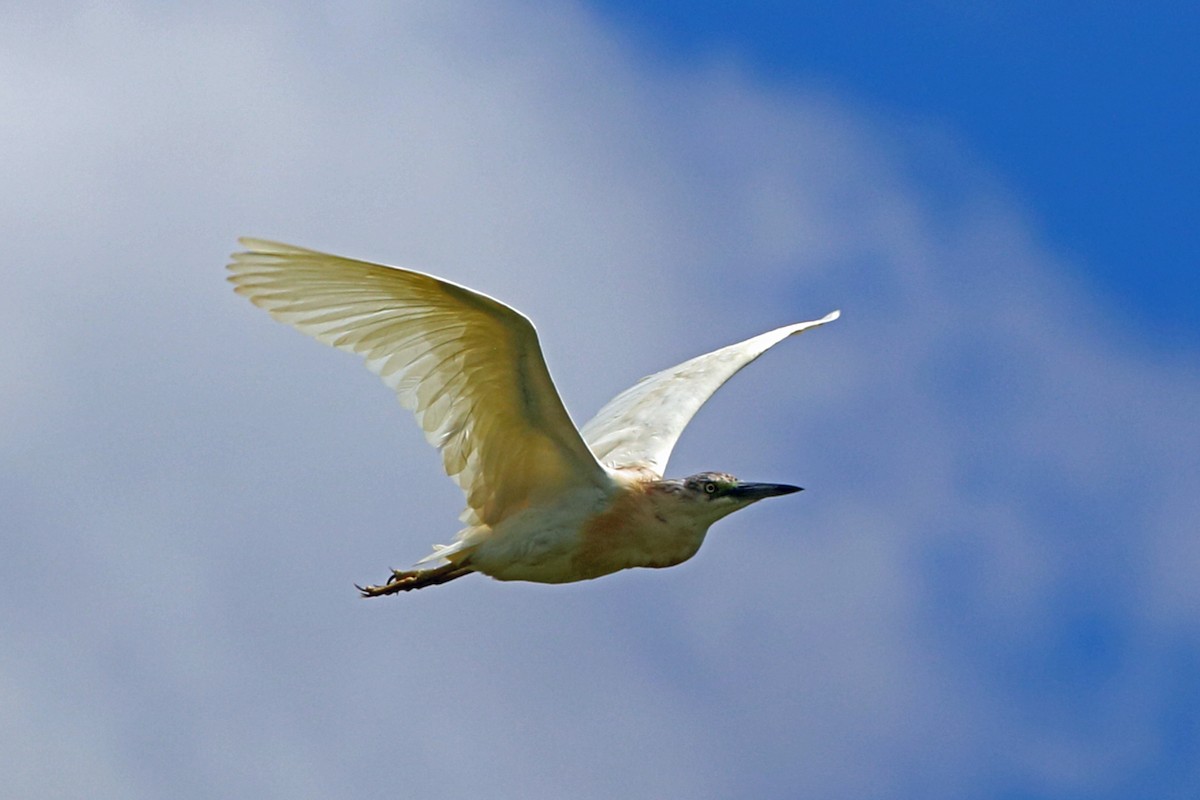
[
  {"x": 801, "y": 327},
  {"x": 259, "y": 253}
]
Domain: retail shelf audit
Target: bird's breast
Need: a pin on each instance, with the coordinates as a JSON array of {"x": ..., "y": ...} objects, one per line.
[
  {"x": 636, "y": 531},
  {"x": 631, "y": 528}
]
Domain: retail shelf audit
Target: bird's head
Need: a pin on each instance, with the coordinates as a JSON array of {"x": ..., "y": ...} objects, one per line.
[{"x": 713, "y": 495}]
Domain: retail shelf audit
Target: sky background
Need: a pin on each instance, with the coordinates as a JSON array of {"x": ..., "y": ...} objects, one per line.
[
  {"x": 987, "y": 590},
  {"x": 1087, "y": 113}
]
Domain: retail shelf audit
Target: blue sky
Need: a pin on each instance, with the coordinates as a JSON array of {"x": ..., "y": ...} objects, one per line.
[
  {"x": 988, "y": 588},
  {"x": 1088, "y": 113}
]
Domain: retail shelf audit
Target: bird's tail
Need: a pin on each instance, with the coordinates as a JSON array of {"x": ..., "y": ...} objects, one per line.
[{"x": 453, "y": 553}]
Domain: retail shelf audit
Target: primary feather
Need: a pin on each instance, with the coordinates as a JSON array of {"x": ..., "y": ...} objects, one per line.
[
  {"x": 468, "y": 366},
  {"x": 639, "y": 427}
]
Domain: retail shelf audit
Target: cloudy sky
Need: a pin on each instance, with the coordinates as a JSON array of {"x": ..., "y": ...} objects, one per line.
[{"x": 989, "y": 589}]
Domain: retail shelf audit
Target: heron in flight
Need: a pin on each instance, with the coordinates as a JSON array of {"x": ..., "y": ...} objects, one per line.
[{"x": 546, "y": 502}]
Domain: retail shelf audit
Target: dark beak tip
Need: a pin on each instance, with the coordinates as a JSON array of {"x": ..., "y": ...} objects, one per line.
[{"x": 758, "y": 491}]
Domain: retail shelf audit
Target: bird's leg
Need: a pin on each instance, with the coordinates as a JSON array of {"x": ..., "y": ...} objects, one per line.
[{"x": 406, "y": 581}]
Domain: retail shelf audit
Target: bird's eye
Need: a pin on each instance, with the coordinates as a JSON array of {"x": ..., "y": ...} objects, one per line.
[{"x": 710, "y": 488}]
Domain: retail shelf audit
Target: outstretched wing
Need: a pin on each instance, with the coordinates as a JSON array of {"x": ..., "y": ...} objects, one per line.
[
  {"x": 468, "y": 366},
  {"x": 639, "y": 427}
]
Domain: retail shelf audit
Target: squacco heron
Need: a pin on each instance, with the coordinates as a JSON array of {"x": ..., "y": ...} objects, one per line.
[{"x": 546, "y": 502}]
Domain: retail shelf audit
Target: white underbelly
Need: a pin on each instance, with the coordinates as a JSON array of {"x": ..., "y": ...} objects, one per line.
[{"x": 560, "y": 548}]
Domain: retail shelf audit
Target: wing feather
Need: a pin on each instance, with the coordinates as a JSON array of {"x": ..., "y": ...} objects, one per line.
[
  {"x": 468, "y": 366},
  {"x": 639, "y": 427}
]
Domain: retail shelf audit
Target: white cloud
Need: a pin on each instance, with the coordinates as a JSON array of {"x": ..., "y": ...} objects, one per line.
[{"x": 987, "y": 585}]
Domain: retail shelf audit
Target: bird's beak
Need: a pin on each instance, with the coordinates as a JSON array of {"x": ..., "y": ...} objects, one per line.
[{"x": 757, "y": 491}]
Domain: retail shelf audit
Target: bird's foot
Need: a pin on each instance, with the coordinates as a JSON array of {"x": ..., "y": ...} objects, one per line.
[
  {"x": 400, "y": 581},
  {"x": 407, "y": 580}
]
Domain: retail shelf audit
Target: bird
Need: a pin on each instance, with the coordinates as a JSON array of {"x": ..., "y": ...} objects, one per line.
[{"x": 546, "y": 502}]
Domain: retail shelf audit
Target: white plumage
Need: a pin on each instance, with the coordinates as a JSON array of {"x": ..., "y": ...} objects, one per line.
[{"x": 545, "y": 502}]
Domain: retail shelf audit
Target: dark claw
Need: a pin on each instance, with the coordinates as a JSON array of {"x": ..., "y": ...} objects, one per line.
[{"x": 371, "y": 590}]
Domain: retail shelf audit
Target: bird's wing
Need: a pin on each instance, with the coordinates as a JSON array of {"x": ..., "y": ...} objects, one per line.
[
  {"x": 468, "y": 366},
  {"x": 639, "y": 427}
]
